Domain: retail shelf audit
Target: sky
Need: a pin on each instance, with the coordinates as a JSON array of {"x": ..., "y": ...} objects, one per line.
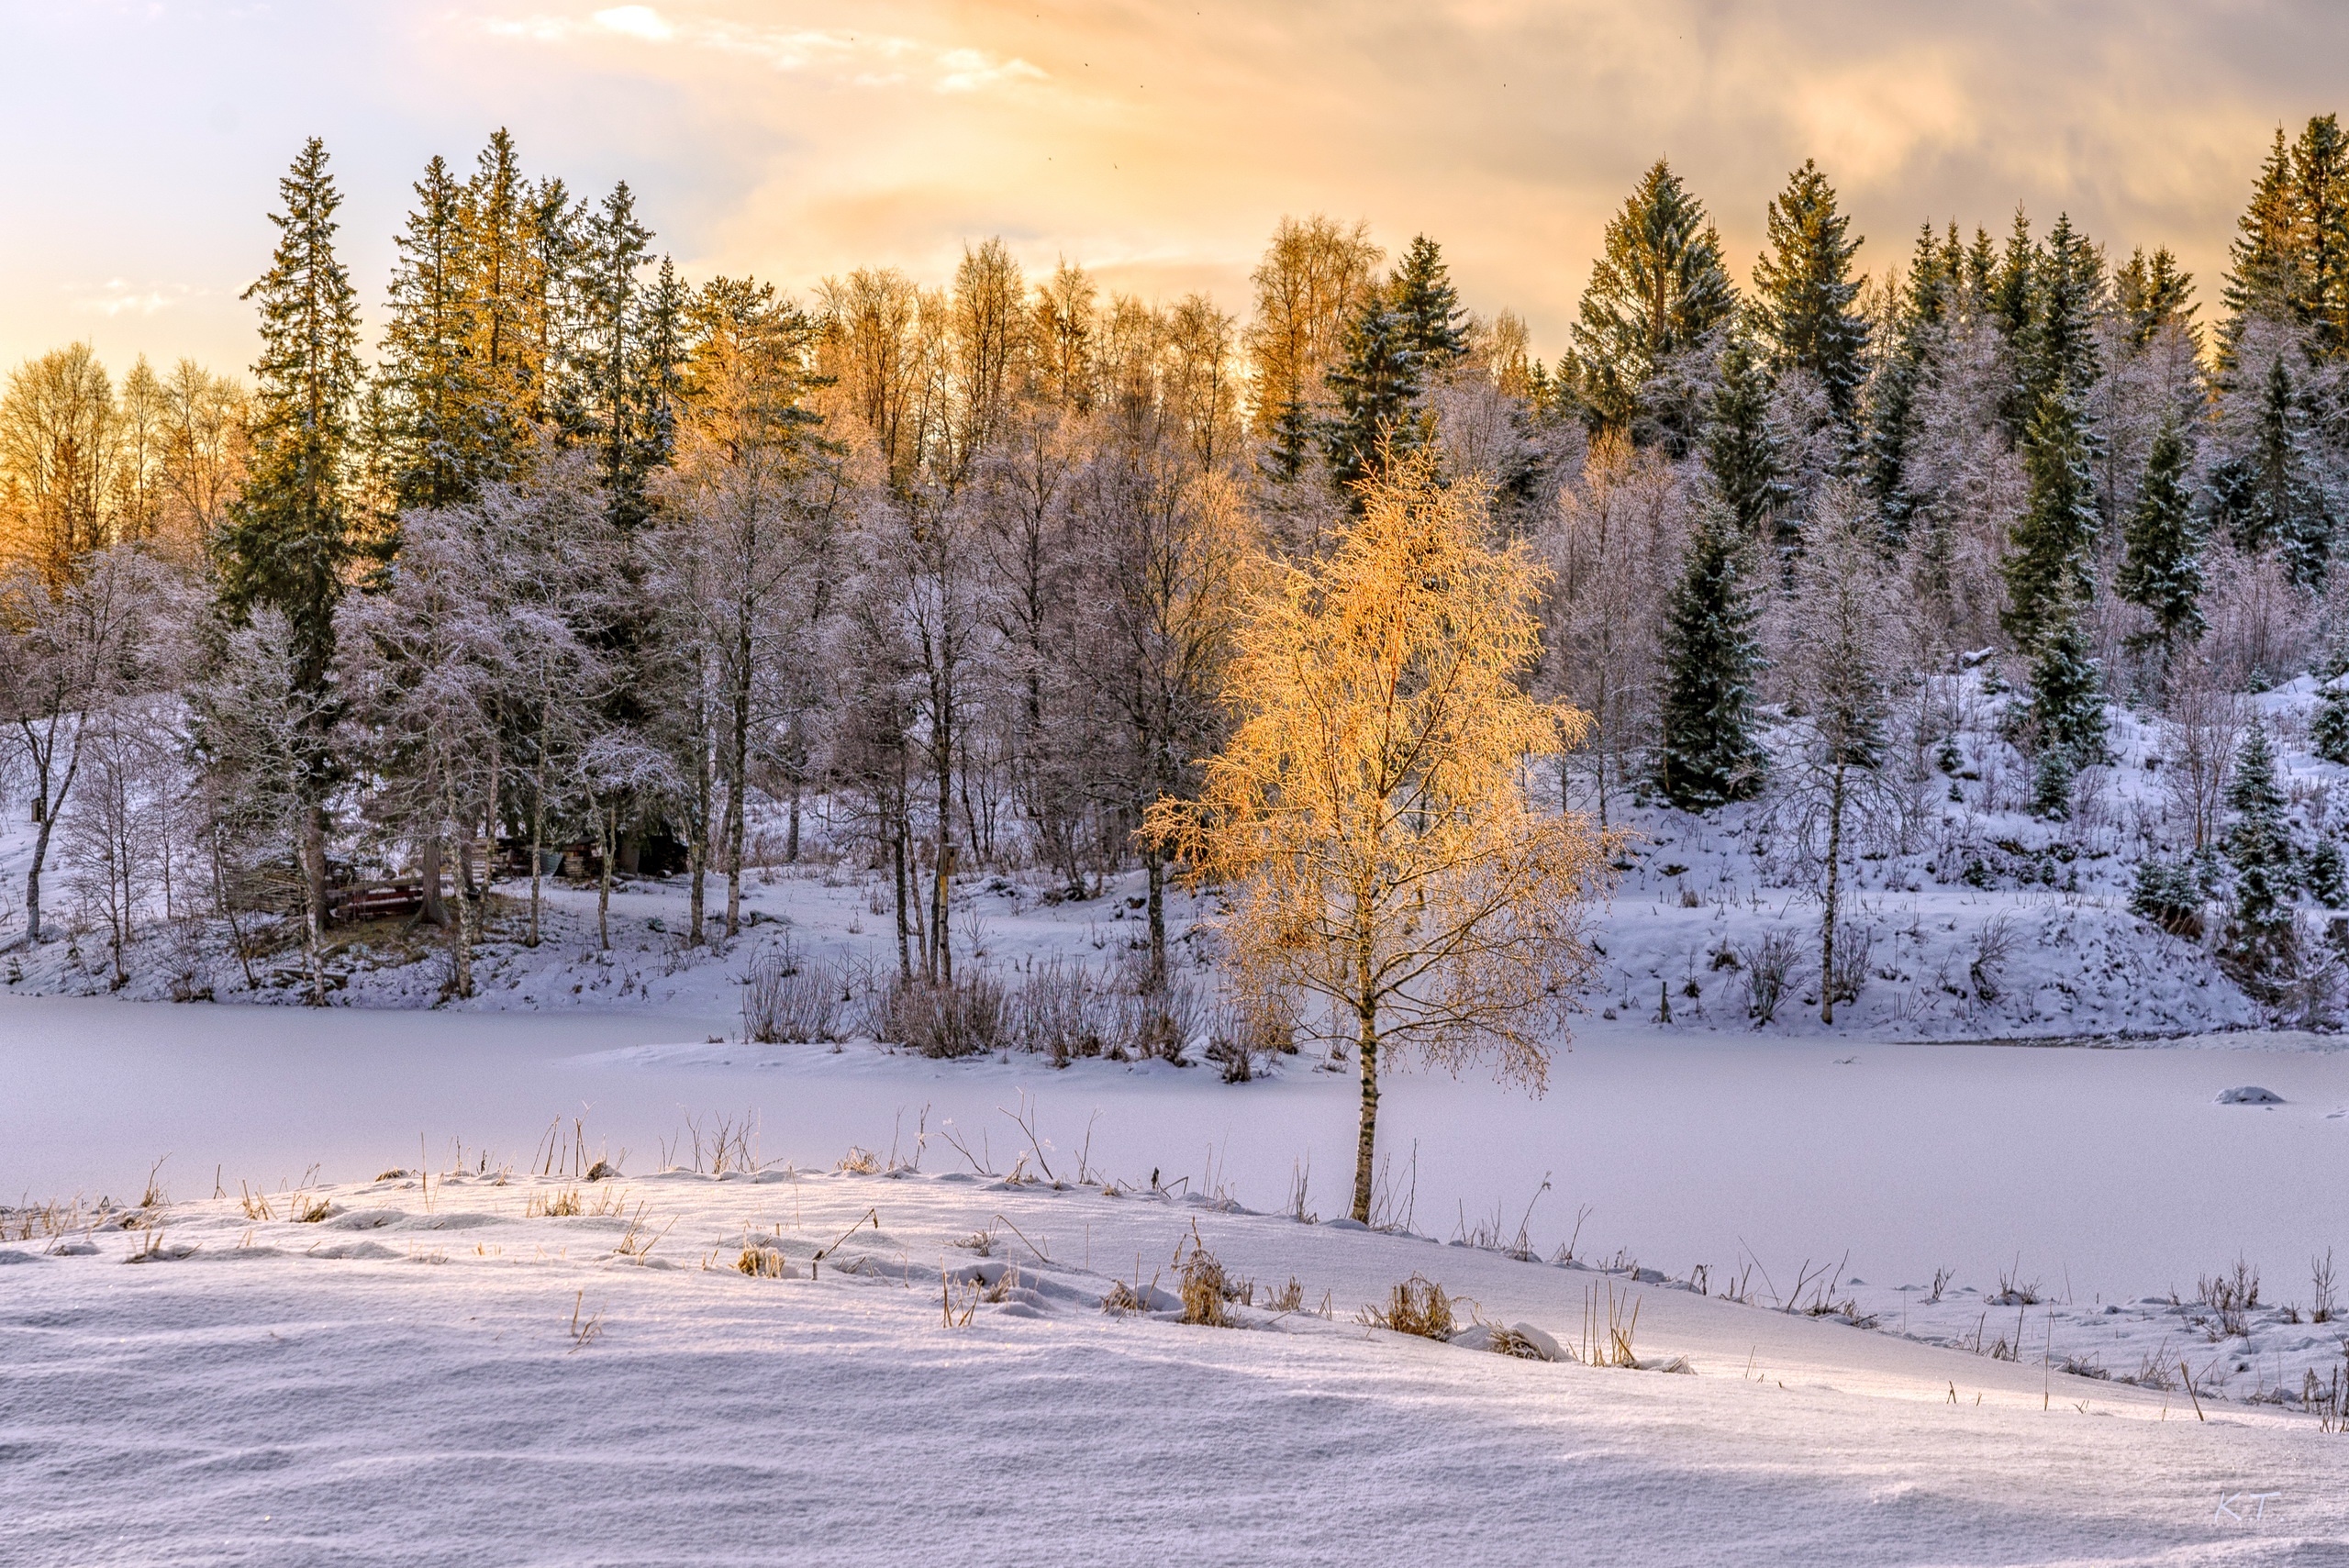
[{"x": 1156, "y": 143}]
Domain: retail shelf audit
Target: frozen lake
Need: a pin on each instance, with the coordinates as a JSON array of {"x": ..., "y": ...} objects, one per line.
[{"x": 2102, "y": 1171}]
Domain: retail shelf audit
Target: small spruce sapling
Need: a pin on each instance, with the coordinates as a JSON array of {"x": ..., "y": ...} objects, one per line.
[
  {"x": 2167, "y": 894},
  {"x": 2259, "y": 847},
  {"x": 2066, "y": 717},
  {"x": 2322, "y": 874}
]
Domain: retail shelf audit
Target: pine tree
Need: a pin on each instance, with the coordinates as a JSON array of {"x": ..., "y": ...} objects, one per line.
[
  {"x": 2153, "y": 293},
  {"x": 1744, "y": 456},
  {"x": 2065, "y": 716},
  {"x": 1376, "y": 388},
  {"x": 2266, "y": 493},
  {"x": 2324, "y": 873},
  {"x": 2166, "y": 895},
  {"x": 517, "y": 246},
  {"x": 616, "y": 376},
  {"x": 1708, "y": 755},
  {"x": 2011, "y": 285},
  {"x": 2320, "y": 181},
  {"x": 2259, "y": 847},
  {"x": 439, "y": 451},
  {"x": 2059, "y": 347},
  {"x": 1433, "y": 325},
  {"x": 1804, "y": 292},
  {"x": 288, "y": 536},
  {"x": 2047, "y": 562},
  {"x": 1935, "y": 276},
  {"x": 2266, "y": 278},
  {"x": 2161, "y": 571},
  {"x": 2328, "y": 727},
  {"x": 1657, "y": 292}
]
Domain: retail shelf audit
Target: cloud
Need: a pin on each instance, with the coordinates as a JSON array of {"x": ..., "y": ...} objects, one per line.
[
  {"x": 118, "y": 297},
  {"x": 861, "y": 60},
  {"x": 1156, "y": 143},
  {"x": 635, "y": 21}
]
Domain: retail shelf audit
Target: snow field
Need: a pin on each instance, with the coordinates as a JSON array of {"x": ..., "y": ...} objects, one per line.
[{"x": 413, "y": 1378}]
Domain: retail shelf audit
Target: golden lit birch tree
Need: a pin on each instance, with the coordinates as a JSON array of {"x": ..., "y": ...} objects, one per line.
[{"x": 1370, "y": 817}]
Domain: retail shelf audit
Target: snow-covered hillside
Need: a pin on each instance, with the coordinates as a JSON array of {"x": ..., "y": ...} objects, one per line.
[{"x": 1966, "y": 916}]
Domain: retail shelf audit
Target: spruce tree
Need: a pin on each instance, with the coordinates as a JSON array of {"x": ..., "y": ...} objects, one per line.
[
  {"x": 2166, "y": 895},
  {"x": 2059, "y": 346},
  {"x": 1376, "y": 388},
  {"x": 1805, "y": 292},
  {"x": 2324, "y": 873},
  {"x": 2320, "y": 181},
  {"x": 2259, "y": 847},
  {"x": 287, "y": 535},
  {"x": 518, "y": 273},
  {"x": 2329, "y": 725},
  {"x": 2065, "y": 715},
  {"x": 1744, "y": 455},
  {"x": 1434, "y": 327},
  {"x": 2012, "y": 286},
  {"x": 1288, "y": 446},
  {"x": 2266, "y": 493},
  {"x": 2048, "y": 557},
  {"x": 2162, "y": 570},
  {"x": 1935, "y": 277},
  {"x": 2152, "y": 293},
  {"x": 622, "y": 377},
  {"x": 1708, "y": 755},
  {"x": 439, "y": 434},
  {"x": 1656, "y": 292},
  {"x": 2267, "y": 277}
]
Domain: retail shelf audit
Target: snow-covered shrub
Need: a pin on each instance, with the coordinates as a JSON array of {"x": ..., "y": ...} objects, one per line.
[
  {"x": 1992, "y": 945},
  {"x": 1769, "y": 966},
  {"x": 787, "y": 998},
  {"x": 1245, "y": 1029},
  {"x": 961, "y": 1018},
  {"x": 1854, "y": 946},
  {"x": 1063, "y": 1008}
]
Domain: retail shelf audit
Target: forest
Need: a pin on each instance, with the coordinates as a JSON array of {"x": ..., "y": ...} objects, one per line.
[{"x": 552, "y": 564}]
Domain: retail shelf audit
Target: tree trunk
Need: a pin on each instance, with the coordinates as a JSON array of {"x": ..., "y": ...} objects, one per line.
[
  {"x": 941, "y": 954},
  {"x": 791, "y": 844},
  {"x": 734, "y": 829},
  {"x": 32, "y": 880},
  {"x": 1366, "y": 1139},
  {"x": 1154, "y": 859},
  {"x": 428, "y": 869},
  {"x": 461, "y": 932},
  {"x": 609, "y": 827},
  {"x": 1834, "y": 863},
  {"x": 897, "y": 857},
  {"x": 314, "y": 839},
  {"x": 537, "y": 849},
  {"x": 314, "y": 912},
  {"x": 738, "y": 769}
]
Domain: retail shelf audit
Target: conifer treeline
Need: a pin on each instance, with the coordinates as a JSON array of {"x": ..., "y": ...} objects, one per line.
[{"x": 591, "y": 553}]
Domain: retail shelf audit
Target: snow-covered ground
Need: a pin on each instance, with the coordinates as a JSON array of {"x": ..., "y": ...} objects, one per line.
[{"x": 431, "y": 1373}]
